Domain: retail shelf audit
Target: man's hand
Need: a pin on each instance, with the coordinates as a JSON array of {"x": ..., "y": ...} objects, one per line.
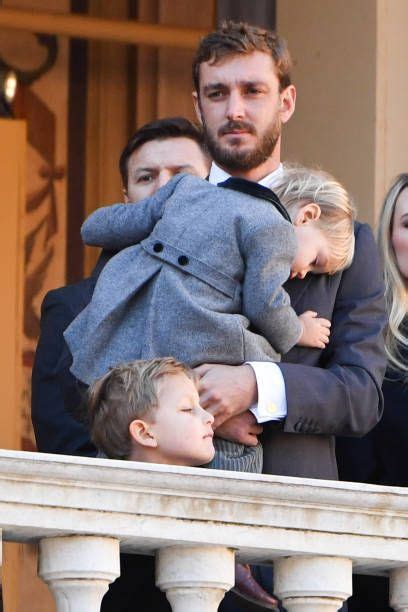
[
  {"x": 241, "y": 428},
  {"x": 226, "y": 390}
]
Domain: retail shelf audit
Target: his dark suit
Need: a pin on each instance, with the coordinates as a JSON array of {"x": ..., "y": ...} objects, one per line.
[
  {"x": 336, "y": 391},
  {"x": 344, "y": 398}
]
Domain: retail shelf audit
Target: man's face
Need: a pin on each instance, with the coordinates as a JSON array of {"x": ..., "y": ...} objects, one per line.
[
  {"x": 180, "y": 427},
  {"x": 157, "y": 161},
  {"x": 242, "y": 110}
]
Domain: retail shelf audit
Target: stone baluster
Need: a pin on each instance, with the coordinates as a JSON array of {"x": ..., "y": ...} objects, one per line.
[
  {"x": 195, "y": 577},
  {"x": 399, "y": 589},
  {"x": 313, "y": 584},
  {"x": 78, "y": 570}
]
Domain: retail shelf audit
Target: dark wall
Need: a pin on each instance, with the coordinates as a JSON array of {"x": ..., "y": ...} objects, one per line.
[{"x": 256, "y": 12}]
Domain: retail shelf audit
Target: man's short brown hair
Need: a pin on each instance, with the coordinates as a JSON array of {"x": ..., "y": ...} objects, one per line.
[
  {"x": 233, "y": 38},
  {"x": 126, "y": 392}
]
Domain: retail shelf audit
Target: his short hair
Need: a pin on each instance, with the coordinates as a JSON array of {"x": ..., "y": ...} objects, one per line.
[
  {"x": 233, "y": 38},
  {"x": 299, "y": 185},
  {"x": 160, "y": 129},
  {"x": 126, "y": 392}
]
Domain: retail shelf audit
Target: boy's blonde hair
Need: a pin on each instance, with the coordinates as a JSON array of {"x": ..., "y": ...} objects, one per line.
[
  {"x": 299, "y": 186},
  {"x": 126, "y": 392}
]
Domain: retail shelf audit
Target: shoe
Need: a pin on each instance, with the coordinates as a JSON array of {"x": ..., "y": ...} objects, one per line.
[{"x": 247, "y": 587}]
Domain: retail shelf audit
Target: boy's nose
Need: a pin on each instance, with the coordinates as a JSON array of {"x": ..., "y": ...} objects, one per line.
[{"x": 208, "y": 417}]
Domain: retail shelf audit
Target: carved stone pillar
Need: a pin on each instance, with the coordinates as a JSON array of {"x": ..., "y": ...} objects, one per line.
[
  {"x": 313, "y": 584},
  {"x": 195, "y": 578},
  {"x": 78, "y": 570},
  {"x": 399, "y": 589}
]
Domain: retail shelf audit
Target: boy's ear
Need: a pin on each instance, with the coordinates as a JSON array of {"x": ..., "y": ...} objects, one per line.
[
  {"x": 307, "y": 213},
  {"x": 140, "y": 432}
]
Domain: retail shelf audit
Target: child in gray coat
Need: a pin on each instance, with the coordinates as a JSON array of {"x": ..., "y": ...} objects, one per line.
[{"x": 199, "y": 265}]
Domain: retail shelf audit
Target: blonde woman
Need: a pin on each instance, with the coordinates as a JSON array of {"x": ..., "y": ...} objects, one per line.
[{"x": 380, "y": 457}]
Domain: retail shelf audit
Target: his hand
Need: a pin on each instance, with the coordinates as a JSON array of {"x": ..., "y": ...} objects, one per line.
[
  {"x": 226, "y": 390},
  {"x": 316, "y": 331},
  {"x": 241, "y": 428}
]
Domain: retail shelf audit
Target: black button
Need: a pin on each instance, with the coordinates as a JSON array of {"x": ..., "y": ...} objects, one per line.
[
  {"x": 183, "y": 260},
  {"x": 158, "y": 247}
]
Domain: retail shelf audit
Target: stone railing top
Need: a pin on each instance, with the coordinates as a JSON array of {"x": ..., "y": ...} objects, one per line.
[{"x": 149, "y": 506}]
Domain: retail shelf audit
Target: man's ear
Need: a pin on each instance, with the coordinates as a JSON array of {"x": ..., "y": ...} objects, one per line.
[
  {"x": 141, "y": 433},
  {"x": 307, "y": 213},
  {"x": 197, "y": 108},
  {"x": 287, "y": 103}
]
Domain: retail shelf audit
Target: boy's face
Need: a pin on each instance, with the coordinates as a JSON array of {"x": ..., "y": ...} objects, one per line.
[
  {"x": 313, "y": 250},
  {"x": 180, "y": 430}
]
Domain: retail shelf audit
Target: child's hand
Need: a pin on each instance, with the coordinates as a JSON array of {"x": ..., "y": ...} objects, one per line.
[{"x": 316, "y": 331}]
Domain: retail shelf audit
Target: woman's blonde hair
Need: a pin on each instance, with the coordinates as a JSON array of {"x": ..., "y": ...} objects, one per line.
[
  {"x": 299, "y": 186},
  {"x": 396, "y": 291}
]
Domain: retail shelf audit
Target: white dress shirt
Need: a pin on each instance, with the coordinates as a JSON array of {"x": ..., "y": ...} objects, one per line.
[{"x": 272, "y": 405}]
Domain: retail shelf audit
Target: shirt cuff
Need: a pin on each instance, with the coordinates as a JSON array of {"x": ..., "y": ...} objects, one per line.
[{"x": 272, "y": 405}]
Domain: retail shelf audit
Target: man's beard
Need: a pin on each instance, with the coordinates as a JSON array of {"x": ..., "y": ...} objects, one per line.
[{"x": 235, "y": 159}]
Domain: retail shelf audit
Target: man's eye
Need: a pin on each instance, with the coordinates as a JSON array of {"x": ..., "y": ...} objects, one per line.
[
  {"x": 145, "y": 178},
  {"x": 213, "y": 95},
  {"x": 186, "y": 410},
  {"x": 254, "y": 91}
]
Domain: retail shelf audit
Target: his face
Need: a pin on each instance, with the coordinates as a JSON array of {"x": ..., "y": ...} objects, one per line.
[
  {"x": 180, "y": 430},
  {"x": 399, "y": 235},
  {"x": 313, "y": 250},
  {"x": 242, "y": 110},
  {"x": 157, "y": 161}
]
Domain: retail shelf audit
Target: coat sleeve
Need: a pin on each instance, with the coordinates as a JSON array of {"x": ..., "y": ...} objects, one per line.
[
  {"x": 56, "y": 394},
  {"x": 121, "y": 225},
  {"x": 269, "y": 253},
  {"x": 343, "y": 396}
]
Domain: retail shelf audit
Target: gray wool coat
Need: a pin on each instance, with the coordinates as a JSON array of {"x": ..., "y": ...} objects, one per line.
[{"x": 202, "y": 264}]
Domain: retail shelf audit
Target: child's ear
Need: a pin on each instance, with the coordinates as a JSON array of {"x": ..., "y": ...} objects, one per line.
[
  {"x": 141, "y": 433},
  {"x": 307, "y": 213}
]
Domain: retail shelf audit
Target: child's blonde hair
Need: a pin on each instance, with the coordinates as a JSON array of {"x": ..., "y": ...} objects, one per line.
[
  {"x": 126, "y": 392},
  {"x": 299, "y": 186}
]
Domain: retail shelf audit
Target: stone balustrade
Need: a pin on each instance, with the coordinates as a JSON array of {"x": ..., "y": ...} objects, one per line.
[{"x": 196, "y": 521}]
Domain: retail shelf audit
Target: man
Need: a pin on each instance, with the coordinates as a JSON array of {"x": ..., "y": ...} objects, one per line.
[
  {"x": 243, "y": 95},
  {"x": 154, "y": 154}
]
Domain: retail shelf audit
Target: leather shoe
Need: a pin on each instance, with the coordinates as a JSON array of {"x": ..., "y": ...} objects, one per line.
[{"x": 247, "y": 587}]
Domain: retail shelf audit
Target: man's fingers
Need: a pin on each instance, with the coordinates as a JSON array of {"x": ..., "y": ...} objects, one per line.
[
  {"x": 249, "y": 439},
  {"x": 325, "y": 323}
]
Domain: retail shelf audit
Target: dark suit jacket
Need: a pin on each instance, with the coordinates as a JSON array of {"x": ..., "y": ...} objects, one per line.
[{"x": 335, "y": 391}]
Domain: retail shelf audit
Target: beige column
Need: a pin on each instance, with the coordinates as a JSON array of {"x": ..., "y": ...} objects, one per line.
[
  {"x": 313, "y": 584},
  {"x": 350, "y": 72},
  {"x": 399, "y": 589},
  {"x": 195, "y": 577},
  {"x": 78, "y": 570}
]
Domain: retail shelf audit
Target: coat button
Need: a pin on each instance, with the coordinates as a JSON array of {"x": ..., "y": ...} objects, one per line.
[
  {"x": 183, "y": 260},
  {"x": 158, "y": 247}
]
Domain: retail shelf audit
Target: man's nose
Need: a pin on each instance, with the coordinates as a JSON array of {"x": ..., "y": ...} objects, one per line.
[
  {"x": 163, "y": 178},
  {"x": 236, "y": 106}
]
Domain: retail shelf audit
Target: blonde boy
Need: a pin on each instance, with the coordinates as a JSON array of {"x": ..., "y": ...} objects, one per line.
[{"x": 150, "y": 411}]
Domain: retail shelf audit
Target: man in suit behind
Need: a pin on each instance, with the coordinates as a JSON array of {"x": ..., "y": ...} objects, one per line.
[{"x": 154, "y": 154}]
